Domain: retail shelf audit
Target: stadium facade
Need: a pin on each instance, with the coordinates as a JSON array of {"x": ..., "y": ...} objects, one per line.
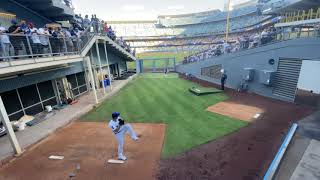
[
  {"x": 190, "y": 32},
  {"x": 278, "y": 66}
]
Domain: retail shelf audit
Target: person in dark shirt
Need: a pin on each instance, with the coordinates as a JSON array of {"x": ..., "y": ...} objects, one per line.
[
  {"x": 14, "y": 31},
  {"x": 25, "y": 38},
  {"x": 223, "y": 78}
]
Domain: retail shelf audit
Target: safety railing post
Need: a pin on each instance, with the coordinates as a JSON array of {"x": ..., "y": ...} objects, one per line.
[
  {"x": 29, "y": 46},
  {"x": 65, "y": 45},
  {"x": 50, "y": 47}
]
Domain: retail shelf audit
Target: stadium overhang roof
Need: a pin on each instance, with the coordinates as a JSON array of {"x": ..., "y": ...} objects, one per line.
[
  {"x": 53, "y": 9},
  {"x": 298, "y": 23},
  {"x": 297, "y": 5}
]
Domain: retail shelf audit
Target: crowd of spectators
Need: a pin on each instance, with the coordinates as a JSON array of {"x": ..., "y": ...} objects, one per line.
[
  {"x": 101, "y": 26},
  {"x": 236, "y": 42},
  {"x": 52, "y": 38},
  {"x": 37, "y": 41}
]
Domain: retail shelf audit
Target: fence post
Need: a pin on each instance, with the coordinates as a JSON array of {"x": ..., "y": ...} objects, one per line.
[
  {"x": 65, "y": 45},
  {"x": 29, "y": 46},
  {"x": 50, "y": 47}
]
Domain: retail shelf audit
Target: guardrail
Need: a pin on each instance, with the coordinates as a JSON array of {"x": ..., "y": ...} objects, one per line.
[
  {"x": 276, "y": 161},
  {"x": 250, "y": 44},
  {"x": 22, "y": 46},
  {"x": 17, "y": 46}
]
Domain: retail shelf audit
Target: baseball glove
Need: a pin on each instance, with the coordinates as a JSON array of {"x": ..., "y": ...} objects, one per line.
[{"x": 121, "y": 122}]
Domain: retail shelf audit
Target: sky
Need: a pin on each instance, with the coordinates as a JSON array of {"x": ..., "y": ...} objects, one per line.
[{"x": 112, "y": 10}]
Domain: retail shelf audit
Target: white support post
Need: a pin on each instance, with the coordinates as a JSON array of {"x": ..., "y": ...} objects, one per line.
[
  {"x": 92, "y": 79},
  {"x": 12, "y": 136},
  {"x": 106, "y": 53},
  {"x": 56, "y": 91},
  {"x": 100, "y": 66}
]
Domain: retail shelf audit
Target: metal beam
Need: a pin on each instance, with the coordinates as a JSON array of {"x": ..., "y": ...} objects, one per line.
[
  {"x": 12, "y": 136},
  {"x": 92, "y": 79},
  {"x": 100, "y": 66},
  {"x": 106, "y": 53}
]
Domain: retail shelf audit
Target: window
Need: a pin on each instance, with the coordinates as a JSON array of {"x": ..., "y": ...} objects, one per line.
[
  {"x": 81, "y": 78},
  {"x": 72, "y": 80},
  {"x": 78, "y": 83},
  {"x": 11, "y": 101},
  {"x": 29, "y": 95},
  {"x": 46, "y": 90}
]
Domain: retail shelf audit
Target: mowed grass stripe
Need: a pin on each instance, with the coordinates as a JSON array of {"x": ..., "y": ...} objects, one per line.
[{"x": 165, "y": 99}]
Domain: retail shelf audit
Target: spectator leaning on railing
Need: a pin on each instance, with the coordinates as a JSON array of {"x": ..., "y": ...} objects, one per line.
[
  {"x": 44, "y": 38},
  {"x": 52, "y": 39},
  {"x": 4, "y": 43},
  {"x": 36, "y": 45}
]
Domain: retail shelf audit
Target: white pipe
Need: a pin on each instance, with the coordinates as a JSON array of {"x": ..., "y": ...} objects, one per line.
[
  {"x": 12, "y": 136},
  {"x": 276, "y": 161}
]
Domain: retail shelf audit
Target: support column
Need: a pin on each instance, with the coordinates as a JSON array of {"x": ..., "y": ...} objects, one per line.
[
  {"x": 12, "y": 136},
  {"x": 56, "y": 91},
  {"x": 138, "y": 66},
  {"x": 106, "y": 53},
  {"x": 100, "y": 66},
  {"x": 174, "y": 64},
  {"x": 92, "y": 79}
]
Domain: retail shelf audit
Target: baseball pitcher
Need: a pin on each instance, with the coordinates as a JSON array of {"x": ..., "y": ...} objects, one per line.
[{"x": 119, "y": 128}]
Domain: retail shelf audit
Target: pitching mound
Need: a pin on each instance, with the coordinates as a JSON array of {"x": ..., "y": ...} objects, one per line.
[
  {"x": 86, "y": 147},
  {"x": 236, "y": 110}
]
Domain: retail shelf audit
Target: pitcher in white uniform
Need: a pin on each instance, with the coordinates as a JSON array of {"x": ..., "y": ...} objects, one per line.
[{"x": 119, "y": 128}]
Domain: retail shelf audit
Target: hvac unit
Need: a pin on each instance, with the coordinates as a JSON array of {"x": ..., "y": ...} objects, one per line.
[
  {"x": 248, "y": 74},
  {"x": 267, "y": 77}
]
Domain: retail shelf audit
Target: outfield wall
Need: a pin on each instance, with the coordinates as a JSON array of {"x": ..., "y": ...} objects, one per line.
[{"x": 258, "y": 59}]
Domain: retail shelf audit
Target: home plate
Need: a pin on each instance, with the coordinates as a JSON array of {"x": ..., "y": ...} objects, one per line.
[
  {"x": 114, "y": 161},
  {"x": 256, "y": 116}
]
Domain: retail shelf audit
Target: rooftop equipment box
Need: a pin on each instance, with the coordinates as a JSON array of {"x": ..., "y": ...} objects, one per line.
[
  {"x": 267, "y": 77},
  {"x": 248, "y": 74}
]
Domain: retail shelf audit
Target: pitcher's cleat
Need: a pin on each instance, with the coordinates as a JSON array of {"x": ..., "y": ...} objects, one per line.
[{"x": 122, "y": 158}]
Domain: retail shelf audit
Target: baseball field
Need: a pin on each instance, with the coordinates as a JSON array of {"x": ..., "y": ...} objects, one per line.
[
  {"x": 160, "y": 64},
  {"x": 183, "y": 136},
  {"x": 159, "y": 98}
]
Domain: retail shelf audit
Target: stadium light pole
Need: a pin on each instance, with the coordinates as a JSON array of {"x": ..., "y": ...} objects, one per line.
[{"x": 228, "y": 21}]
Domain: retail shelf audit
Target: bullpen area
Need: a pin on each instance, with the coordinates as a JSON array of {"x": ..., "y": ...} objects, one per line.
[{"x": 184, "y": 136}]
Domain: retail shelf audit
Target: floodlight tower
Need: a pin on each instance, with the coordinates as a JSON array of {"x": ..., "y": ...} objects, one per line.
[{"x": 228, "y": 20}]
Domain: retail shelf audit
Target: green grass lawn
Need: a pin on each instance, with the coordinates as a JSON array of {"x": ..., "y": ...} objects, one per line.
[{"x": 159, "y": 98}]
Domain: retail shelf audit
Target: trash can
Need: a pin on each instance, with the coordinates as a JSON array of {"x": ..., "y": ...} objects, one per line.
[{"x": 106, "y": 82}]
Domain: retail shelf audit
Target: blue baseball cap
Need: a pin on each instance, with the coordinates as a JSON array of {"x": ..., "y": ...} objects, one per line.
[
  {"x": 14, "y": 21},
  {"x": 115, "y": 114}
]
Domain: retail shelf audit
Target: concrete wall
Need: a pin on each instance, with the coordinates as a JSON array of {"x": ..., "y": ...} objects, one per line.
[
  {"x": 309, "y": 77},
  {"x": 307, "y": 48}
]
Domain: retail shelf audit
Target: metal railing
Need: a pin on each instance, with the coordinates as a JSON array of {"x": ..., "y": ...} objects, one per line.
[
  {"x": 18, "y": 46},
  {"x": 21, "y": 46},
  {"x": 249, "y": 44}
]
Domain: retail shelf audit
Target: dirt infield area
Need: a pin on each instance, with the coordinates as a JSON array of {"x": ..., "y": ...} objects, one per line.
[
  {"x": 243, "y": 155},
  {"x": 88, "y": 146},
  {"x": 236, "y": 110}
]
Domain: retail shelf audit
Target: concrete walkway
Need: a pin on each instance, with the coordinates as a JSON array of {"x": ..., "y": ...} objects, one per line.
[
  {"x": 302, "y": 159},
  {"x": 61, "y": 118}
]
